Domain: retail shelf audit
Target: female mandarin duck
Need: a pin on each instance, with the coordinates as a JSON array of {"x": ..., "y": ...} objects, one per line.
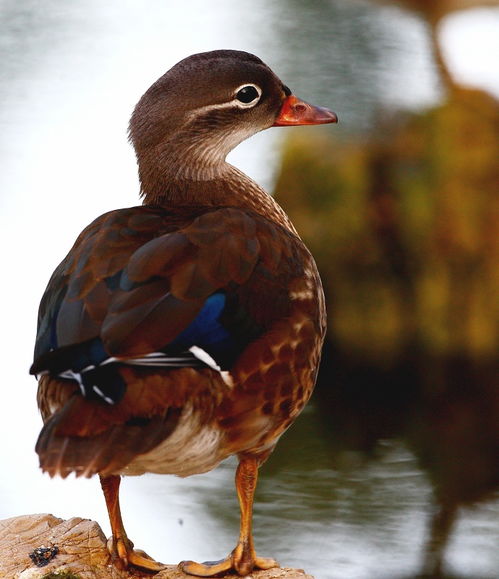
[{"x": 188, "y": 329}]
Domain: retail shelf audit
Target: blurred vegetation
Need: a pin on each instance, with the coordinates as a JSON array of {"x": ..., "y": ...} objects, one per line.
[
  {"x": 404, "y": 228},
  {"x": 403, "y": 222}
]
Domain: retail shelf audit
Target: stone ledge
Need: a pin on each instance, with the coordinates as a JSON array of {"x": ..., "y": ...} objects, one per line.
[{"x": 82, "y": 552}]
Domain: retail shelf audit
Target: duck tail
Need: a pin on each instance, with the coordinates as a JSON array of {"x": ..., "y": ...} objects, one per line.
[{"x": 107, "y": 452}]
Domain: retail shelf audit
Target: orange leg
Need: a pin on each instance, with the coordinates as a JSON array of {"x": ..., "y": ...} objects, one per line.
[
  {"x": 119, "y": 545},
  {"x": 243, "y": 558}
]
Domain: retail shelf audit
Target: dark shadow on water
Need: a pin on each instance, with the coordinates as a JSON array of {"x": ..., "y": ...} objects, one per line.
[{"x": 446, "y": 411}]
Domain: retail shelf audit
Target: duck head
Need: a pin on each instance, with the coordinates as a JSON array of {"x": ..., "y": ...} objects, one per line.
[{"x": 187, "y": 122}]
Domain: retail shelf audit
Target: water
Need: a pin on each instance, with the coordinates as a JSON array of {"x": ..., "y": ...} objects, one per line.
[{"x": 70, "y": 74}]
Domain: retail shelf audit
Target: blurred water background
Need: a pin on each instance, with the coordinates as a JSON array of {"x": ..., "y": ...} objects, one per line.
[{"x": 397, "y": 203}]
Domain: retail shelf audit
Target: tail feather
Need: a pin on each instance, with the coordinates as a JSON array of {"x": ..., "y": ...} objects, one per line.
[
  {"x": 88, "y": 436},
  {"x": 107, "y": 452}
]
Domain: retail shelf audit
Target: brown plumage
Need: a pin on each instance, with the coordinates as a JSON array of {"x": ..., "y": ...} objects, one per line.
[{"x": 177, "y": 333}]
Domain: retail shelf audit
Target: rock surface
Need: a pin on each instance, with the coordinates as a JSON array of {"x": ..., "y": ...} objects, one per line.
[{"x": 76, "y": 549}]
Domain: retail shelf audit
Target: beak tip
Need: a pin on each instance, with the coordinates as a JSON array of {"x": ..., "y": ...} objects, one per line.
[{"x": 332, "y": 117}]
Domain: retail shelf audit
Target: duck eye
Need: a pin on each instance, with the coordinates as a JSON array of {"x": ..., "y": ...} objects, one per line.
[{"x": 248, "y": 95}]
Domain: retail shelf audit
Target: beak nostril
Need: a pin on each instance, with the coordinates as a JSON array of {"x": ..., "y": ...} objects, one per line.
[{"x": 300, "y": 108}]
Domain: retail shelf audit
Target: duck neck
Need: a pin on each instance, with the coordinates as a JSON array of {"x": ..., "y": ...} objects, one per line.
[{"x": 206, "y": 181}]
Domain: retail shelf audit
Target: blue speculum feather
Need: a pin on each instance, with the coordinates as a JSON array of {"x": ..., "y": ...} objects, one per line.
[
  {"x": 206, "y": 329},
  {"x": 89, "y": 364},
  {"x": 208, "y": 332}
]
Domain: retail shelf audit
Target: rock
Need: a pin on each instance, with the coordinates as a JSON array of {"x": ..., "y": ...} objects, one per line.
[{"x": 76, "y": 549}]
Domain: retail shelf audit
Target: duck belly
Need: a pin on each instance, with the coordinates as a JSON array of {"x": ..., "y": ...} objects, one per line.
[{"x": 192, "y": 448}]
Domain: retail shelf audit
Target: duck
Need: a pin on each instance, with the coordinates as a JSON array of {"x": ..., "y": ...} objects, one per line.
[{"x": 187, "y": 329}]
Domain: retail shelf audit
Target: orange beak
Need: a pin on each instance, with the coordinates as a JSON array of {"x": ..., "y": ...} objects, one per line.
[{"x": 297, "y": 112}]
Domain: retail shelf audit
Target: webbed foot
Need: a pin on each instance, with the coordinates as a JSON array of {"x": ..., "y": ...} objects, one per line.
[
  {"x": 125, "y": 556},
  {"x": 241, "y": 561}
]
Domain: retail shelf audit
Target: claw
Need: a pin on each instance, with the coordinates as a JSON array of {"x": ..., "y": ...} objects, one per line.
[{"x": 122, "y": 552}]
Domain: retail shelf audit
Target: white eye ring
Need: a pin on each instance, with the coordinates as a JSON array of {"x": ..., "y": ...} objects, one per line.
[{"x": 247, "y": 91}]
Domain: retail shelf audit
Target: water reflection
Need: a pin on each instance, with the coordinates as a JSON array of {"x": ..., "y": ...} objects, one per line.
[
  {"x": 69, "y": 76},
  {"x": 444, "y": 413}
]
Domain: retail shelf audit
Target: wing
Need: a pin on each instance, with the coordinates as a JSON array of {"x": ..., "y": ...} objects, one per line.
[{"x": 145, "y": 286}]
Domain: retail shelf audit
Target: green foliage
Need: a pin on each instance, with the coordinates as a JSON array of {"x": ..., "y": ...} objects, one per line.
[{"x": 404, "y": 228}]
